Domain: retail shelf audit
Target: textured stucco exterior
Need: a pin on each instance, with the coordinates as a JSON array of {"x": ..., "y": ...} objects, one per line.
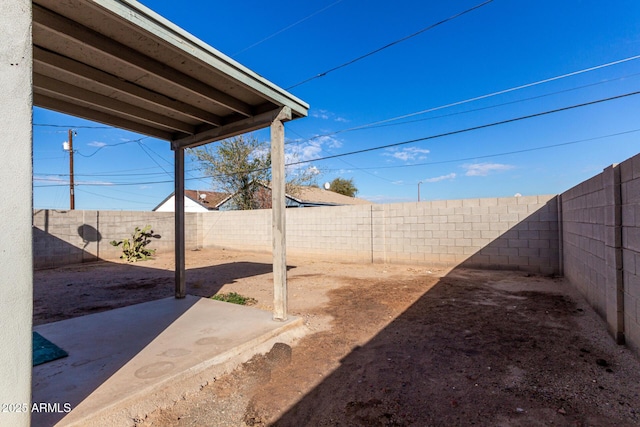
[{"x": 16, "y": 290}]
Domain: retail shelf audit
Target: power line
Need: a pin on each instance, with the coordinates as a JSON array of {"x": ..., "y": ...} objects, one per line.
[
  {"x": 366, "y": 171},
  {"x": 116, "y": 198},
  {"x": 74, "y": 127},
  {"x": 477, "y": 98},
  {"x": 137, "y": 193},
  {"x": 101, "y": 174},
  {"x": 506, "y": 153},
  {"x": 380, "y": 147},
  {"x": 504, "y": 103},
  {"x": 351, "y": 164},
  {"x": 51, "y": 158},
  {"x": 373, "y": 52},
  {"x": 456, "y": 132},
  {"x": 287, "y": 28},
  {"x": 502, "y": 92},
  {"x": 114, "y": 173},
  {"x": 111, "y": 145},
  {"x": 142, "y": 147}
]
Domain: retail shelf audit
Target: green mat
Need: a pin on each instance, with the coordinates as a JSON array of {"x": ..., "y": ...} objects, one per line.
[{"x": 45, "y": 351}]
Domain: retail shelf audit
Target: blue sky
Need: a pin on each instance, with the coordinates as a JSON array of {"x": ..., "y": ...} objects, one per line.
[{"x": 499, "y": 46}]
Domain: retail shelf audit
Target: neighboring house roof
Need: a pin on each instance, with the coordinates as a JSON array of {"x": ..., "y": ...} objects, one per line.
[
  {"x": 304, "y": 197},
  {"x": 209, "y": 200},
  {"x": 320, "y": 196}
]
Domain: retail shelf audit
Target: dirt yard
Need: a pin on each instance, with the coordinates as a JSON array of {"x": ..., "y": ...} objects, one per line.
[{"x": 387, "y": 345}]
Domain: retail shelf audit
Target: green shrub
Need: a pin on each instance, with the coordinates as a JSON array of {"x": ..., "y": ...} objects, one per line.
[{"x": 234, "y": 298}]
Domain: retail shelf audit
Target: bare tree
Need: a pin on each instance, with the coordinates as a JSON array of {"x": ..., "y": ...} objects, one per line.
[{"x": 242, "y": 166}]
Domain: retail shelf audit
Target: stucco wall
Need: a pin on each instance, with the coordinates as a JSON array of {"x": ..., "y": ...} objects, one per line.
[{"x": 15, "y": 209}]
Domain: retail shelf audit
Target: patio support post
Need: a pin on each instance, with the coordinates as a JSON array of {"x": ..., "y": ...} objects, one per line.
[
  {"x": 179, "y": 221},
  {"x": 278, "y": 215}
]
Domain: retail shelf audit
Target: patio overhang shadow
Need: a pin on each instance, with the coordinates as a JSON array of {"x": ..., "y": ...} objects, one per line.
[{"x": 119, "y": 63}]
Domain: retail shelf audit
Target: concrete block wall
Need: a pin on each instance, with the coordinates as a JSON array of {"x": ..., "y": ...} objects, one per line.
[
  {"x": 509, "y": 233},
  {"x": 601, "y": 246},
  {"x": 69, "y": 237},
  {"x": 243, "y": 230},
  {"x": 583, "y": 208},
  {"x": 630, "y": 249},
  {"x": 590, "y": 233},
  {"x": 506, "y": 233},
  {"x": 340, "y": 232}
]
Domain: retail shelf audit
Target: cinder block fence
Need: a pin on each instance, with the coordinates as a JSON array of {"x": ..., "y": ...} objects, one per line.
[
  {"x": 590, "y": 233},
  {"x": 508, "y": 233},
  {"x": 515, "y": 233},
  {"x": 601, "y": 246}
]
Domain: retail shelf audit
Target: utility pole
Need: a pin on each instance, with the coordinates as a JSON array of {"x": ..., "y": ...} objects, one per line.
[
  {"x": 69, "y": 146},
  {"x": 419, "y": 182}
]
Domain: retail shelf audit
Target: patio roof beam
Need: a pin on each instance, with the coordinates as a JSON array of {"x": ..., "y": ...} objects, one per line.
[
  {"x": 86, "y": 40},
  {"x": 47, "y": 62},
  {"x": 98, "y": 116},
  {"x": 249, "y": 124},
  {"x": 61, "y": 89}
]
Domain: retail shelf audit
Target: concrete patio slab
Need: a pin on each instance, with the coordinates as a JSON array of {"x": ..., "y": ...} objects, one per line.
[{"x": 126, "y": 362}]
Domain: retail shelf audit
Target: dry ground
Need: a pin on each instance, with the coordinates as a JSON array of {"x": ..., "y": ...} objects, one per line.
[{"x": 388, "y": 345}]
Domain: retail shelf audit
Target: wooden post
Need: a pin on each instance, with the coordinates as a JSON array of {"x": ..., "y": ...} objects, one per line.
[
  {"x": 278, "y": 223},
  {"x": 179, "y": 222},
  {"x": 72, "y": 190}
]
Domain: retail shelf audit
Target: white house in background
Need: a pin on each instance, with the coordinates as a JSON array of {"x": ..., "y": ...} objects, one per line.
[
  {"x": 204, "y": 201},
  {"x": 194, "y": 201}
]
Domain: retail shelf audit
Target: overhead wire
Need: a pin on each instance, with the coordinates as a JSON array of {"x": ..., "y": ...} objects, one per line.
[
  {"x": 120, "y": 190},
  {"x": 115, "y": 198},
  {"x": 286, "y": 28},
  {"x": 387, "y": 122},
  {"x": 477, "y": 98},
  {"x": 110, "y": 145},
  {"x": 380, "y": 49},
  {"x": 502, "y": 92},
  {"x": 470, "y": 129},
  {"x": 505, "y": 153},
  {"x": 431, "y": 137},
  {"x": 531, "y": 98},
  {"x": 350, "y": 164},
  {"x": 142, "y": 147},
  {"x": 74, "y": 127}
]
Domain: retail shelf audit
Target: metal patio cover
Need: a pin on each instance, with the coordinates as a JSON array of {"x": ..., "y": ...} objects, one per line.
[{"x": 118, "y": 62}]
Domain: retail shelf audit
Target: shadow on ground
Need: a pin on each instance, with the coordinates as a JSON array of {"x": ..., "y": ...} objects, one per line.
[
  {"x": 469, "y": 353},
  {"x": 117, "y": 347},
  {"x": 96, "y": 287}
]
